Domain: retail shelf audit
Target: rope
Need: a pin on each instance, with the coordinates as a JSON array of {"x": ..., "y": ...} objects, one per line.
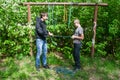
[
  {"x": 65, "y": 14},
  {"x": 52, "y": 14},
  {"x": 49, "y": 16},
  {"x": 69, "y": 19},
  {"x": 58, "y": 36}
]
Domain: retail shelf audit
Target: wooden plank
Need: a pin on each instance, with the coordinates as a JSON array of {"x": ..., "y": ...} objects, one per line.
[{"x": 65, "y": 3}]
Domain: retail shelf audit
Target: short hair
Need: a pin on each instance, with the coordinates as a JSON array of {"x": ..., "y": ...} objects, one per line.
[
  {"x": 76, "y": 21},
  {"x": 43, "y": 14}
]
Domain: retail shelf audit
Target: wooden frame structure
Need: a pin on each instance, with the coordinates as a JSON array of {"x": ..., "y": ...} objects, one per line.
[{"x": 69, "y": 4}]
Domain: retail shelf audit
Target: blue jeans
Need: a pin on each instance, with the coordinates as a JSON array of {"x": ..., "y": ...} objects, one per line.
[{"x": 41, "y": 52}]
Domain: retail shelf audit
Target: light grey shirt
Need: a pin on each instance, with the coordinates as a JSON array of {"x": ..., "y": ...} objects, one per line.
[{"x": 78, "y": 32}]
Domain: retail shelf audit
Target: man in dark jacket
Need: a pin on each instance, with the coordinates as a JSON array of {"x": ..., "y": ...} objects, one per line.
[{"x": 41, "y": 43}]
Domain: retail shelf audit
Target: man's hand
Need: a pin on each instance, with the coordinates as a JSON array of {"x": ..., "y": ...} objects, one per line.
[
  {"x": 51, "y": 34},
  {"x": 73, "y": 36}
]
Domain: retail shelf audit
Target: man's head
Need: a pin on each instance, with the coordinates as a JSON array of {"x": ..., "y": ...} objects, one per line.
[
  {"x": 44, "y": 16},
  {"x": 76, "y": 22}
]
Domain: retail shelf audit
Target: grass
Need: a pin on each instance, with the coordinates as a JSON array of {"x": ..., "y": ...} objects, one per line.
[{"x": 61, "y": 69}]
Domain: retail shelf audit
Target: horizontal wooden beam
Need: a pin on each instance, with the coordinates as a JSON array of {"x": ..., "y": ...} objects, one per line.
[{"x": 65, "y": 3}]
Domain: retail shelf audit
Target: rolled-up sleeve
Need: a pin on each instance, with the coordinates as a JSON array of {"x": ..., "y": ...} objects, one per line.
[{"x": 80, "y": 31}]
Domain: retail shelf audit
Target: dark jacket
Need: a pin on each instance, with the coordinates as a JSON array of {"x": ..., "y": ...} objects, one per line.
[{"x": 41, "y": 32}]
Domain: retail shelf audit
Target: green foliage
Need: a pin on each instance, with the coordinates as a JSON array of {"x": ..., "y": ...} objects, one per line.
[
  {"x": 113, "y": 28},
  {"x": 100, "y": 49},
  {"x": 17, "y": 41},
  {"x": 87, "y": 47},
  {"x": 14, "y": 39}
]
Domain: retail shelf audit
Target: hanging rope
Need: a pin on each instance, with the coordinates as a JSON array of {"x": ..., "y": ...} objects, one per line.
[
  {"x": 65, "y": 14},
  {"x": 49, "y": 16},
  {"x": 53, "y": 17},
  {"x": 53, "y": 14},
  {"x": 69, "y": 19}
]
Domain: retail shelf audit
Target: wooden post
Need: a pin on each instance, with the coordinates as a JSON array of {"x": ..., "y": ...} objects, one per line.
[
  {"x": 29, "y": 25},
  {"x": 94, "y": 30}
]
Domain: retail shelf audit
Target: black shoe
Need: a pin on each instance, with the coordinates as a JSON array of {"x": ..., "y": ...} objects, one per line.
[
  {"x": 46, "y": 67},
  {"x": 76, "y": 69},
  {"x": 38, "y": 69}
]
